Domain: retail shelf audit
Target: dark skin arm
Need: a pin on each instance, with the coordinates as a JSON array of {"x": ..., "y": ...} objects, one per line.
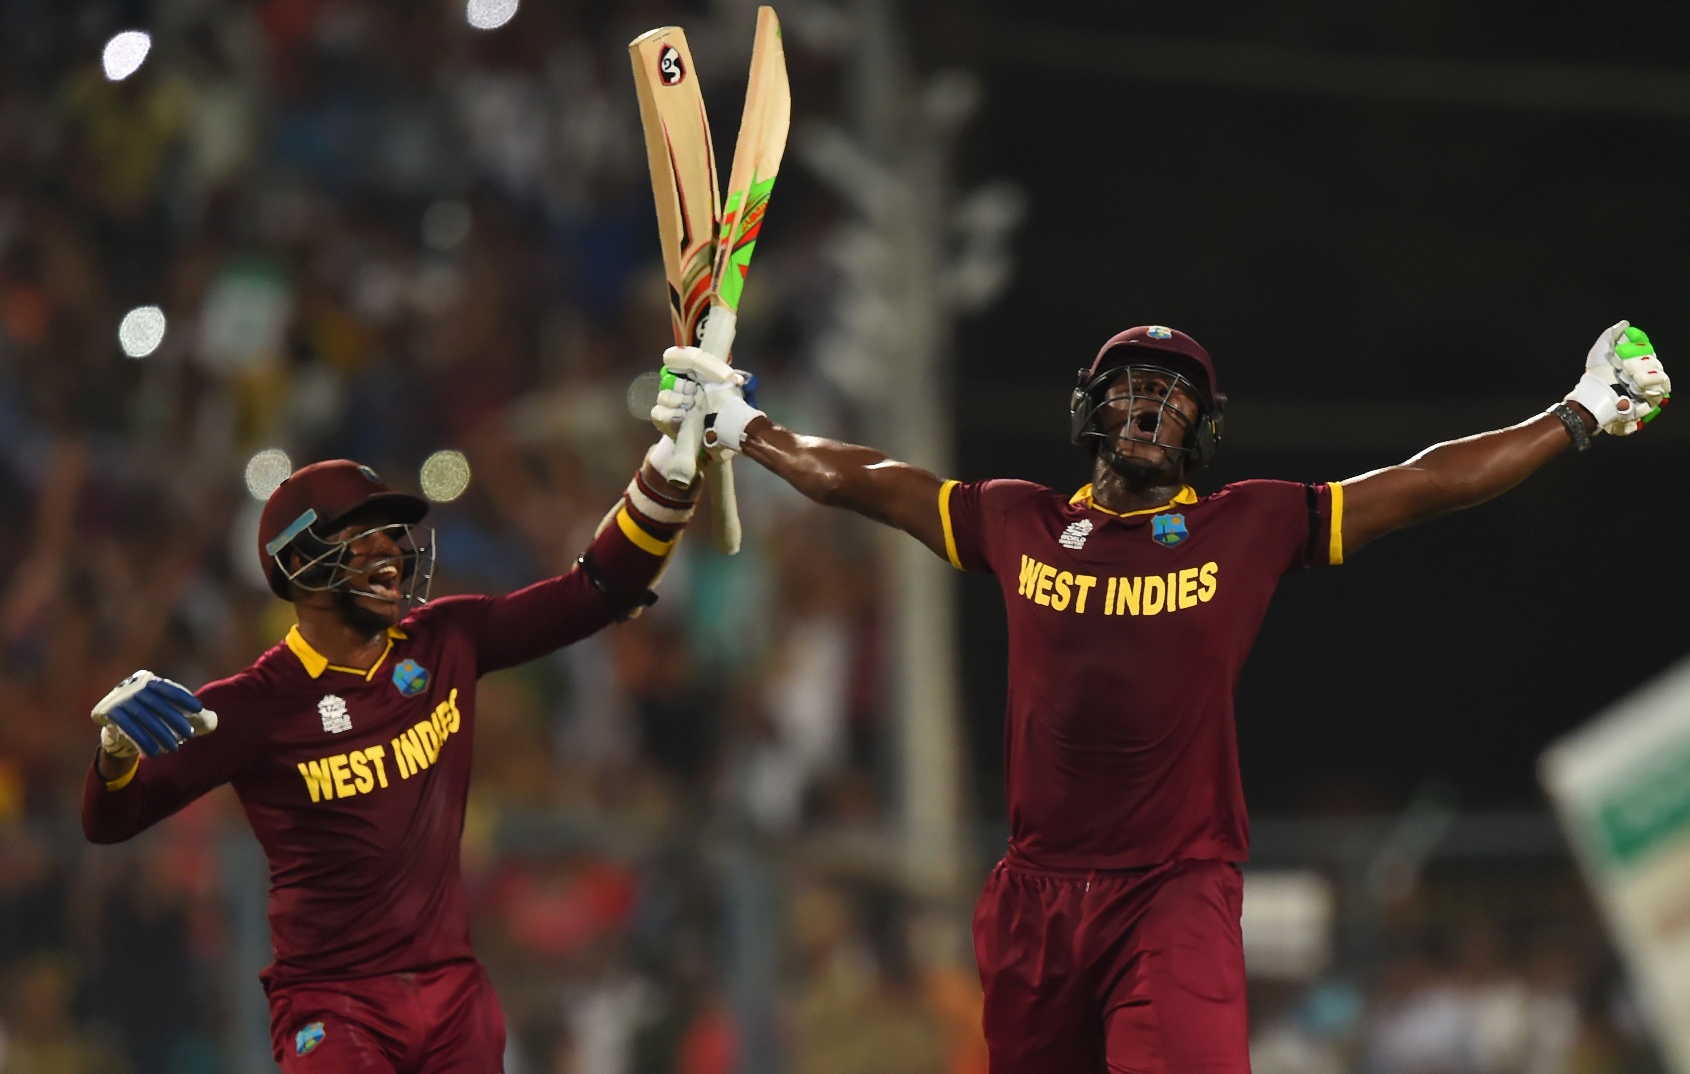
[
  {"x": 1447, "y": 477},
  {"x": 856, "y": 478},
  {"x": 1443, "y": 478}
]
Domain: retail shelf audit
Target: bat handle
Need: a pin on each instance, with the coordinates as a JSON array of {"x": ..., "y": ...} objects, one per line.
[
  {"x": 683, "y": 462},
  {"x": 724, "y": 505}
]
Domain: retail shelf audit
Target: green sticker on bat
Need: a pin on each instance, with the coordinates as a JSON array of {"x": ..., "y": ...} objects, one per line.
[{"x": 739, "y": 239}]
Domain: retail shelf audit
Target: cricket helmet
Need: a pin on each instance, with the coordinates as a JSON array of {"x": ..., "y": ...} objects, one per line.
[
  {"x": 314, "y": 502},
  {"x": 1160, "y": 349}
]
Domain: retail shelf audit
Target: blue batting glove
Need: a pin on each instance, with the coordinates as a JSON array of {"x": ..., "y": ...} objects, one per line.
[{"x": 150, "y": 715}]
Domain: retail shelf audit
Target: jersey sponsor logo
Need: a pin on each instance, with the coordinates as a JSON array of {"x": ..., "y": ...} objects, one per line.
[
  {"x": 1149, "y": 594},
  {"x": 1157, "y": 331},
  {"x": 1075, "y": 535},
  {"x": 347, "y": 775},
  {"x": 410, "y": 677},
  {"x": 307, "y": 1039},
  {"x": 1168, "y": 530},
  {"x": 336, "y": 719}
]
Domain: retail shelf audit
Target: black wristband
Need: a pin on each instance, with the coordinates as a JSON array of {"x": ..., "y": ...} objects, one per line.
[
  {"x": 1575, "y": 425},
  {"x": 625, "y": 605}
]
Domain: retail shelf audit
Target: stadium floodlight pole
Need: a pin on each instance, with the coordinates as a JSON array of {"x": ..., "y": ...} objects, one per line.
[{"x": 903, "y": 286}]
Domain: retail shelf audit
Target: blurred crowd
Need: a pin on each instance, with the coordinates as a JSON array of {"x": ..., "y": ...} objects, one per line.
[{"x": 375, "y": 233}]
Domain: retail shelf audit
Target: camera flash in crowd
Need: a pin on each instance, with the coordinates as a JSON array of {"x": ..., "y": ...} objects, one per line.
[
  {"x": 266, "y": 470},
  {"x": 141, "y": 331},
  {"x": 489, "y": 14},
  {"x": 445, "y": 476},
  {"x": 125, "y": 53}
]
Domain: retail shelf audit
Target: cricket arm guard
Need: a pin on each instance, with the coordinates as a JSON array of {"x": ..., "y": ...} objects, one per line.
[
  {"x": 651, "y": 518},
  {"x": 692, "y": 377},
  {"x": 1624, "y": 385},
  {"x": 150, "y": 715}
]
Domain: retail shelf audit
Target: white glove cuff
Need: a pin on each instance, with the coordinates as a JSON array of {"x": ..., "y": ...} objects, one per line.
[
  {"x": 660, "y": 454},
  {"x": 116, "y": 743},
  {"x": 1596, "y": 396},
  {"x": 728, "y": 430}
]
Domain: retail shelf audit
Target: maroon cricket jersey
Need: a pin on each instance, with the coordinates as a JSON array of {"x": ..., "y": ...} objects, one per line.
[
  {"x": 355, "y": 781},
  {"x": 1126, "y": 637}
]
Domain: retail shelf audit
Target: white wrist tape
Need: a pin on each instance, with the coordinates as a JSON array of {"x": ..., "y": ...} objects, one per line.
[
  {"x": 1596, "y": 396},
  {"x": 728, "y": 430}
]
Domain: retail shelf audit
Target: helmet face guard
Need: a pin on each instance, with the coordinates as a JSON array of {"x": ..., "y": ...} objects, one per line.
[
  {"x": 1192, "y": 442},
  {"x": 326, "y": 566}
]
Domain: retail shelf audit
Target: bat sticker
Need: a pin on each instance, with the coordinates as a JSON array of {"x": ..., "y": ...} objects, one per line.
[{"x": 670, "y": 69}]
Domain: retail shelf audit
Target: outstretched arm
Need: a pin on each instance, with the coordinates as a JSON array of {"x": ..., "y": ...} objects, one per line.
[
  {"x": 856, "y": 478},
  {"x": 1623, "y": 387}
]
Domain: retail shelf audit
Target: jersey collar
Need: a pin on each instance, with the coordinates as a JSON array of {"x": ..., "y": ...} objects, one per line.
[
  {"x": 316, "y": 663},
  {"x": 1186, "y": 494}
]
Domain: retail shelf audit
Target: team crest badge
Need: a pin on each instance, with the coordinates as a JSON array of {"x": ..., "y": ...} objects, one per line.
[
  {"x": 1075, "y": 535},
  {"x": 411, "y": 678},
  {"x": 335, "y": 717},
  {"x": 1158, "y": 332},
  {"x": 1168, "y": 530},
  {"x": 307, "y": 1039}
]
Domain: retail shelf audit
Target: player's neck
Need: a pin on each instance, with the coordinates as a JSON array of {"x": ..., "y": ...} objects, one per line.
[
  {"x": 337, "y": 640},
  {"x": 1112, "y": 492}
]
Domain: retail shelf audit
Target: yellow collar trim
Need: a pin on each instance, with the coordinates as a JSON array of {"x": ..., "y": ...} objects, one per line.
[
  {"x": 1187, "y": 494},
  {"x": 316, "y": 663}
]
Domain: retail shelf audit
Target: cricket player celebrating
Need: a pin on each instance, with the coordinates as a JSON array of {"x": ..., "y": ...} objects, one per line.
[
  {"x": 1108, "y": 936},
  {"x": 349, "y": 746}
]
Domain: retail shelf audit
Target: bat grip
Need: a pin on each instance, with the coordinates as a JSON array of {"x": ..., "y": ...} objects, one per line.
[
  {"x": 683, "y": 462},
  {"x": 724, "y": 505}
]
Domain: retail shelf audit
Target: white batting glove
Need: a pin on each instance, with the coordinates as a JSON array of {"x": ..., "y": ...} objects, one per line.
[
  {"x": 689, "y": 374},
  {"x": 147, "y": 714},
  {"x": 1624, "y": 385}
]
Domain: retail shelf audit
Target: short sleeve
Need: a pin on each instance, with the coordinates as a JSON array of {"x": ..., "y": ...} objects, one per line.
[
  {"x": 1303, "y": 525},
  {"x": 972, "y": 513}
]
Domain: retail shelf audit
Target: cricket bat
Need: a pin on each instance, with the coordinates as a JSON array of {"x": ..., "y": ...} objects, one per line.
[{"x": 677, "y": 134}]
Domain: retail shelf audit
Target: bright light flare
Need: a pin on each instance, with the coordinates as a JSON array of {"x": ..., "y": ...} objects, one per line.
[
  {"x": 490, "y": 14},
  {"x": 445, "y": 476},
  {"x": 267, "y": 470},
  {"x": 141, "y": 331},
  {"x": 125, "y": 53}
]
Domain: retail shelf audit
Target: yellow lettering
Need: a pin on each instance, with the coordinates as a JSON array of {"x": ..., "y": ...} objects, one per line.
[
  {"x": 1188, "y": 587},
  {"x": 1173, "y": 591},
  {"x": 1109, "y": 599},
  {"x": 452, "y": 707},
  {"x": 1128, "y": 599},
  {"x": 1085, "y": 582},
  {"x": 342, "y": 776},
  {"x": 361, "y": 776},
  {"x": 318, "y": 780},
  {"x": 430, "y": 741},
  {"x": 1064, "y": 591},
  {"x": 374, "y": 755},
  {"x": 399, "y": 761},
  {"x": 1207, "y": 577},
  {"x": 1041, "y": 592},
  {"x": 437, "y": 720},
  {"x": 1029, "y": 575},
  {"x": 1155, "y": 591},
  {"x": 411, "y": 748}
]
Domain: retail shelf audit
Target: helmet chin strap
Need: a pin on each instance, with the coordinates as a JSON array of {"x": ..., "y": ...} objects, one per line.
[{"x": 1138, "y": 474}]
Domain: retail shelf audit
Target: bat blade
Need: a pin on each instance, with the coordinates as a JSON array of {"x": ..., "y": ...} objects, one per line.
[
  {"x": 682, "y": 162},
  {"x": 757, "y": 154}
]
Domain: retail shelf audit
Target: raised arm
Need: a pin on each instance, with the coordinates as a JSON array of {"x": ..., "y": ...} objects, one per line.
[
  {"x": 1623, "y": 388},
  {"x": 856, "y": 478}
]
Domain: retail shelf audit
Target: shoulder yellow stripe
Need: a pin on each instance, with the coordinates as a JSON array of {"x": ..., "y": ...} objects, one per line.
[
  {"x": 945, "y": 520},
  {"x": 1337, "y": 552},
  {"x": 642, "y": 540},
  {"x": 123, "y": 781}
]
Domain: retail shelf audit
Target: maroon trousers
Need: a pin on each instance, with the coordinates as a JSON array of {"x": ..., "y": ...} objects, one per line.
[
  {"x": 1130, "y": 972},
  {"x": 440, "y": 1021}
]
